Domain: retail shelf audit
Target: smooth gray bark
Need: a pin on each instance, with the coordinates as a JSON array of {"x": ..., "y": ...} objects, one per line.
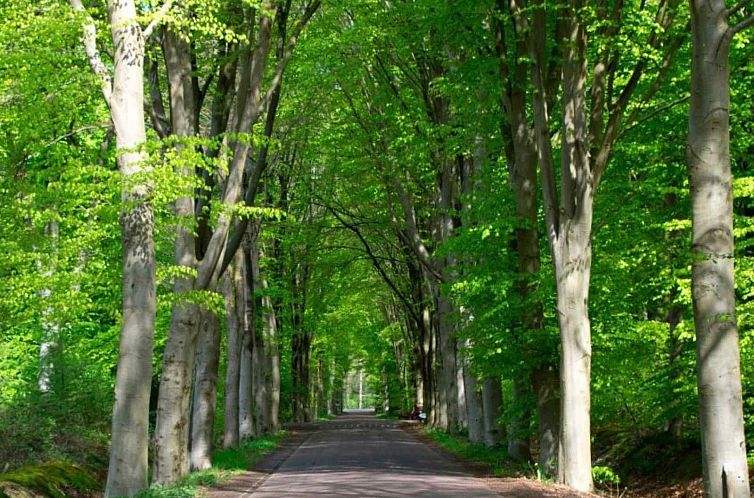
[
  {"x": 233, "y": 292},
  {"x": 492, "y": 409},
  {"x": 273, "y": 355},
  {"x": 205, "y": 391},
  {"x": 172, "y": 427},
  {"x": 124, "y": 94},
  {"x": 713, "y": 286},
  {"x": 475, "y": 420},
  {"x": 545, "y": 380}
]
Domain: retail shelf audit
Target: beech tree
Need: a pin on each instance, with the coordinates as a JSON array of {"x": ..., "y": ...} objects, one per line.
[
  {"x": 710, "y": 182},
  {"x": 123, "y": 92}
]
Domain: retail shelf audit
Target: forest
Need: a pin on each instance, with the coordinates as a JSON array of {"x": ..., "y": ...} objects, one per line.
[{"x": 532, "y": 218}]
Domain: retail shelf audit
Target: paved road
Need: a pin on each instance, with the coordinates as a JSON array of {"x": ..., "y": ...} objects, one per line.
[{"x": 360, "y": 455}]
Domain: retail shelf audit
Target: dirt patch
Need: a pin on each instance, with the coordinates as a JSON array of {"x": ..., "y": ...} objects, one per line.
[{"x": 520, "y": 487}]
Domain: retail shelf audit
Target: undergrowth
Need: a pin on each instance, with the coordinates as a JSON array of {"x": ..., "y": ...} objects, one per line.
[
  {"x": 226, "y": 463},
  {"x": 495, "y": 458}
]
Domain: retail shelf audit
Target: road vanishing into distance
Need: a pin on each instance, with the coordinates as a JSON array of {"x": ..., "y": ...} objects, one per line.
[{"x": 358, "y": 454}]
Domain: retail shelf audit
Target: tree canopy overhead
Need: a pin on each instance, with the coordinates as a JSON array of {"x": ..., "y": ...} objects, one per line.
[{"x": 531, "y": 219}]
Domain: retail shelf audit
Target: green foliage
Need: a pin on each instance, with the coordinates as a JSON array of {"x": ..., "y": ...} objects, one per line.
[{"x": 605, "y": 476}]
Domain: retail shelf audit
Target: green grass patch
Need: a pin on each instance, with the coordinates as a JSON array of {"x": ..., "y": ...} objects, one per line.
[
  {"x": 226, "y": 463},
  {"x": 495, "y": 458}
]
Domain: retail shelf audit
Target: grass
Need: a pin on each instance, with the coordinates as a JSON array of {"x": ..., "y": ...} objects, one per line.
[
  {"x": 495, "y": 458},
  {"x": 226, "y": 463}
]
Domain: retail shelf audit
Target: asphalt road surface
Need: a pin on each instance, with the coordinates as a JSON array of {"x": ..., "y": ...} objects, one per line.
[{"x": 360, "y": 455}]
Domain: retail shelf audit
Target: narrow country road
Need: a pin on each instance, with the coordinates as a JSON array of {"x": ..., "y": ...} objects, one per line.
[{"x": 361, "y": 455}]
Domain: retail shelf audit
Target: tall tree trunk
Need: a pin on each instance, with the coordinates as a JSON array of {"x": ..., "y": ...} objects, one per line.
[
  {"x": 246, "y": 429},
  {"x": 463, "y": 420},
  {"x": 260, "y": 360},
  {"x": 492, "y": 408},
  {"x": 246, "y": 376},
  {"x": 320, "y": 388},
  {"x": 713, "y": 286},
  {"x": 127, "y": 470},
  {"x": 273, "y": 354},
  {"x": 171, "y": 436},
  {"x": 205, "y": 391},
  {"x": 233, "y": 292},
  {"x": 50, "y": 343},
  {"x": 545, "y": 380},
  {"x": 572, "y": 270},
  {"x": 475, "y": 420}
]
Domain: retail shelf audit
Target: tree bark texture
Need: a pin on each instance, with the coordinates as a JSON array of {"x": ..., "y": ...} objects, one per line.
[
  {"x": 233, "y": 291},
  {"x": 172, "y": 428},
  {"x": 205, "y": 391},
  {"x": 127, "y": 470},
  {"x": 545, "y": 380},
  {"x": 475, "y": 421},
  {"x": 713, "y": 286},
  {"x": 492, "y": 409}
]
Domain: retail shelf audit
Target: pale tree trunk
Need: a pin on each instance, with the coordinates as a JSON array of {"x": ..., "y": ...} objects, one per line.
[
  {"x": 475, "y": 421},
  {"x": 172, "y": 428},
  {"x": 320, "y": 387},
  {"x": 205, "y": 391},
  {"x": 246, "y": 374},
  {"x": 331, "y": 391},
  {"x": 361, "y": 388},
  {"x": 713, "y": 286},
  {"x": 545, "y": 380},
  {"x": 463, "y": 420},
  {"x": 50, "y": 342},
  {"x": 124, "y": 93},
  {"x": 492, "y": 408},
  {"x": 569, "y": 231},
  {"x": 260, "y": 360},
  {"x": 273, "y": 355},
  {"x": 233, "y": 291},
  {"x": 246, "y": 427}
]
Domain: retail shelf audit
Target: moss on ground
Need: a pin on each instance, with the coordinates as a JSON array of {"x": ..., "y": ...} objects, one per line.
[{"x": 49, "y": 480}]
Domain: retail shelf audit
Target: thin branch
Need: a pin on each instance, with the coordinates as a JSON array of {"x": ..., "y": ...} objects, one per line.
[
  {"x": 92, "y": 53},
  {"x": 61, "y": 138},
  {"x": 376, "y": 262},
  {"x": 746, "y": 23},
  {"x": 157, "y": 18},
  {"x": 654, "y": 113},
  {"x": 277, "y": 78},
  {"x": 417, "y": 245}
]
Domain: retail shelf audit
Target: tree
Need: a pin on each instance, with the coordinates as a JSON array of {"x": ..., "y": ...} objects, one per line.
[
  {"x": 713, "y": 285},
  {"x": 124, "y": 94}
]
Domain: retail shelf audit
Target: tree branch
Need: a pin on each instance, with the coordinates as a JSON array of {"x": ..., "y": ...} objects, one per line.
[
  {"x": 746, "y": 23},
  {"x": 375, "y": 262},
  {"x": 157, "y": 18},
  {"x": 737, "y": 8},
  {"x": 92, "y": 53}
]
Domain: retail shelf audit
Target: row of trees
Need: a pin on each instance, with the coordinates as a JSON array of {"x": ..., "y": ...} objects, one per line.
[{"x": 417, "y": 201}]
